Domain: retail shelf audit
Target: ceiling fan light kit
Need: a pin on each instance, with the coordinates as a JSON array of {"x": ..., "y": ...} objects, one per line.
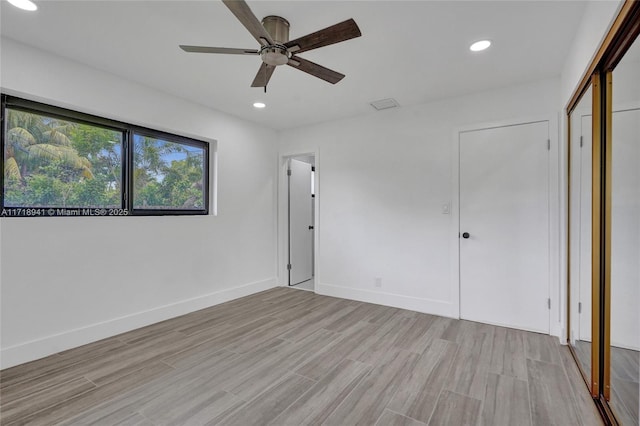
[
  {"x": 274, "y": 55},
  {"x": 276, "y": 49}
]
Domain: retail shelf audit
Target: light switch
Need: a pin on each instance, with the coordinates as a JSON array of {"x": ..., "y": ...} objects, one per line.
[{"x": 445, "y": 208}]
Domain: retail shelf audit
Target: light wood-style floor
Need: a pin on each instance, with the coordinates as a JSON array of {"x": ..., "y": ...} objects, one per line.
[
  {"x": 291, "y": 357},
  {"x": 625, "y": 388}
]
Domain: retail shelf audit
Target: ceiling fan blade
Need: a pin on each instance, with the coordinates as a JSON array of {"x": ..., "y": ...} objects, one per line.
[
  {"x": 229, "y": 50},
  {"x": 334, "y": 34},
  {"x": 246, "y": 17},
  {"x": 264, "y": 75},
  {"x": 315, "y": 70}
]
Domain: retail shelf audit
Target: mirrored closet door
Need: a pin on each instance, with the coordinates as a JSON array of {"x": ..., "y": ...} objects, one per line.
[
  {"x": 604, "y": 222},
  {"x": 624, "y": 352},
  {"x": 580, "y": 189}
]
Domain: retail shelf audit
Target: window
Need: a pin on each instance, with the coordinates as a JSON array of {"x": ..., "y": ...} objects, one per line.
[
  {"x": 166, "y": 174},
  {"x": 51, "y": 162},
  {"x": 58, "y": 162}
]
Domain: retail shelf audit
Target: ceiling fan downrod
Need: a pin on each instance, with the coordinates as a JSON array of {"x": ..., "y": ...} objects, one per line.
[{"x": 277, "y": 27}]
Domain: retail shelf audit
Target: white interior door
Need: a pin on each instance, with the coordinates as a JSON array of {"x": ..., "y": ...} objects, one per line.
[
  {"x": 504, "y": 213},
  {"x": 300, "y": 222},
  {"x": 585, "y": 188}
]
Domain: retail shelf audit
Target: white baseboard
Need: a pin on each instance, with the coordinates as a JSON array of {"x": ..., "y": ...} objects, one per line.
[
  {"x": 427, "y": 306},
  {"x": 35, "y": 349},
  {"x": 625, "y": 346},
  {"x": 556, "y": 329}
]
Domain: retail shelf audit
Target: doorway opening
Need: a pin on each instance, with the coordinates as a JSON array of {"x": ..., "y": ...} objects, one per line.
[{"x": 300, "y": 214}]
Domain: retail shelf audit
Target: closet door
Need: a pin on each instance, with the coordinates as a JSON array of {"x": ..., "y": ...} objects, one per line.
[{"x": 622, "y": 374}]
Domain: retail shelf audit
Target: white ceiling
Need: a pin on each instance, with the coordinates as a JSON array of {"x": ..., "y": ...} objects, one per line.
[{"x": 413, "y": 51}]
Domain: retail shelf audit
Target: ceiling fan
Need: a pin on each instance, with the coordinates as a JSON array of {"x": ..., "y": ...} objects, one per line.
[{"x": 276, "y": 48}]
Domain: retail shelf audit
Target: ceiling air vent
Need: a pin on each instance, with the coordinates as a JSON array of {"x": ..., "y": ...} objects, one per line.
[{"x": 384, "y": 104}]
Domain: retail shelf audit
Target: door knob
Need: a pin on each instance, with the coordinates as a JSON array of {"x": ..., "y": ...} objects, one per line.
[{"x": 465, "y": 235}]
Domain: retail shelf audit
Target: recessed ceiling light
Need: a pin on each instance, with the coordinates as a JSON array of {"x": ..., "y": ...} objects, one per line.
[
  {"x": 259, "y": 105},
  {"x": 24, "y": 4},
  {"x": 480, "y": 45}
]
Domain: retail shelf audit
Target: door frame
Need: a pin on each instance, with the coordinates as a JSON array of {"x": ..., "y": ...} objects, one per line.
[
  {"x": 556, "y": 218},
  {"x": 282, "y": 248},
  {"x": 575, "y": 248}
]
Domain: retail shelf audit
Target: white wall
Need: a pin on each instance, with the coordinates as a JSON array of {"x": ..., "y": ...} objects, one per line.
[
  {"x": 596, "y": 21},
  {"x": 69, "y": 281},
  {"x": 383, "y": 179}
]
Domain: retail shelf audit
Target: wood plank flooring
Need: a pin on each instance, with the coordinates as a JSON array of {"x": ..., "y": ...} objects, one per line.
[
  {"x": 291, "y": 357},
  {"x": 625, "y": 386},
  {"x": 625, "y": 375}
]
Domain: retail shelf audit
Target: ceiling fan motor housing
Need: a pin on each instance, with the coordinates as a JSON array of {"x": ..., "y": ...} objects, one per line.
[{"x": 278, "y": 28}]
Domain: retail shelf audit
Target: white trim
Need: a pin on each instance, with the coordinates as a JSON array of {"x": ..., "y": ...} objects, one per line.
[
  {"x": 49, "y": 345},
  {"x": 454, "y": 248},
  {"x": 514, "y": 327},
  {"x": 518, "y": 121},
  {"x": 213, "y": 179},
  {"x": 428, "y": 306},
  {"x": 626, "y": 106},
  {"x": 555, "y": 220},
  {"x": 555, "y": 228},
  {"x": 624, "y": 346},
  {"x": 563, "y": 223}
]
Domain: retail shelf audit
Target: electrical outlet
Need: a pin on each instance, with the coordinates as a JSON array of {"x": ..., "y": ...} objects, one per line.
[{"x": 378, "y": 282}]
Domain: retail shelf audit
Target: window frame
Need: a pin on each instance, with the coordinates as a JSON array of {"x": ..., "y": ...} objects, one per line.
[
  {"x": 177, "y": 139},
  {"x": 126, "y": 207}
]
